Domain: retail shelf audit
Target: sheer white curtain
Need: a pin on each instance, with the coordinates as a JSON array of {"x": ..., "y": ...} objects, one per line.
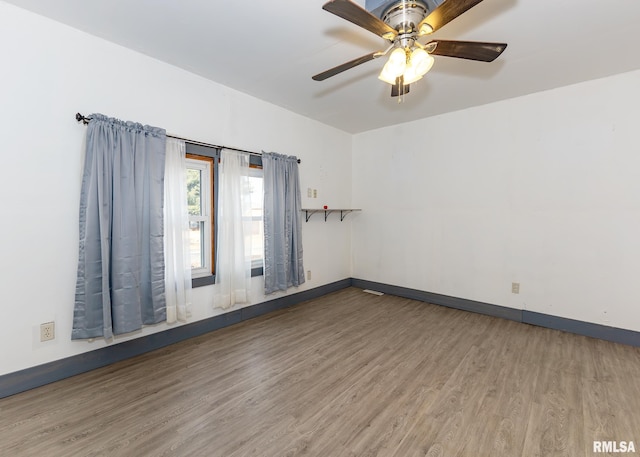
[
  {"x": 176, "y": 234},
  {"x": 233, "y": 267}
]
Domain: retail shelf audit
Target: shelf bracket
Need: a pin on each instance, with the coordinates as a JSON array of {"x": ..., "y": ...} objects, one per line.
[
  {"x": 308, "y": 213},
  {"x": 343, "y": 213}
]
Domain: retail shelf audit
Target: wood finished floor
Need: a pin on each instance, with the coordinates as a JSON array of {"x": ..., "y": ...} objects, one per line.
[{"x": 349, "y": 374}]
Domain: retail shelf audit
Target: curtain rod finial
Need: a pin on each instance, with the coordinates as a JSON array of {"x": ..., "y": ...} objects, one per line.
[{"x": 81, "y": 118}]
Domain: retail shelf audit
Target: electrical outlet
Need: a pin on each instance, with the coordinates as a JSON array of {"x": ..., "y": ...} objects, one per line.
[
  {"x": 47, "y": 331},
  {"x": 309, "y": 275},
  {"x": 315, "y": 193},
  {"x": 309, "y": 192},
  {"x": 515, "y": 287}
]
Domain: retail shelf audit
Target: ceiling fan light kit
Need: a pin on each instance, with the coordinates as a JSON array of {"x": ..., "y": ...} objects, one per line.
[
  {"x": 411, "y": 66},
  {"x": 403, "y": 23},
  {"x": 395, "y": 66}
]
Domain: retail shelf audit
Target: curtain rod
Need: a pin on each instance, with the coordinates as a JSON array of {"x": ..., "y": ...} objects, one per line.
[{"x": 85, "y": 120}]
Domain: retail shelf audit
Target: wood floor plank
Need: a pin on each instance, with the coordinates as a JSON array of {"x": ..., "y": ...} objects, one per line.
[
  {"x": 556, "y": 420},
  {"x": 346, "y": 375},
  {"x": 507, "y": 405},
  {"x": 611, "y": 396}
]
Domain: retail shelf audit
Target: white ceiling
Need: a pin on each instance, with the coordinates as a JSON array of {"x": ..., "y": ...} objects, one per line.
[{"x": 271, "y": 48}]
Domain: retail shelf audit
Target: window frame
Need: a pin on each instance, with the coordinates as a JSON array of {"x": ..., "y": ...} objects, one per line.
[{"x": 208, "y": 216}]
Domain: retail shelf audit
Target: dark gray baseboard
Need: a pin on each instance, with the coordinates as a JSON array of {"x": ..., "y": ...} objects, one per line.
[
  {"x": 442, "y": 300},
  {"x": 40, "y": 375},
  {"x": 603, "y": 332}
]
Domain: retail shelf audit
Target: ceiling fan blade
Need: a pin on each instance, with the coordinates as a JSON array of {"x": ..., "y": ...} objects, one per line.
[
  {"x": 354, "y": 13},
  {"x": 345, "y": 66},
  {"x": 446, "y": 12},
  {"x": 471, "y": 50}
]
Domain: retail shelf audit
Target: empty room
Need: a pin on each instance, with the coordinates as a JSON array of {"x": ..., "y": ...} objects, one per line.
[{"x": 322, "y": 228}]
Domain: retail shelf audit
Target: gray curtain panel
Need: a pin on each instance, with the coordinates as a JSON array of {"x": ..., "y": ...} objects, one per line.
[
  {"x": 120, "y": 283},
  {"x": 283, "y": 266}
]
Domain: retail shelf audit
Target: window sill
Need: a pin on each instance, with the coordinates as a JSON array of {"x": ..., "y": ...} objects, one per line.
[
  {"x": 203, "y": 281},
  {"x": 209, "y": 280}
]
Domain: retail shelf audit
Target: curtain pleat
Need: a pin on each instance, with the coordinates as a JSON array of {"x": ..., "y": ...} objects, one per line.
[
  {"x": 233, "y": 226},
  {"x": 120, "y": 278},
  {"x": 176, "y": 234},
  {"x": 283, "y": 264}
]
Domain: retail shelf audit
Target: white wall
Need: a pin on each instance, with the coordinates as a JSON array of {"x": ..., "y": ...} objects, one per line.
[
  {"x": 49, "y": 72},
  {"x": 543, "y": 190}
]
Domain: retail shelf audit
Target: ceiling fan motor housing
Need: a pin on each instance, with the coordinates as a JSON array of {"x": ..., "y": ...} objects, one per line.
[{"x": 404, "y": 16}]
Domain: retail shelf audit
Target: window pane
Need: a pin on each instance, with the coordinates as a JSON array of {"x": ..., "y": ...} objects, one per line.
[
  {"x": 257, "y": 243},
  {"x": 196, "y": 244},
  {"x": 194, "y": 185},
  {"x": 257, "y": 195},
  {"x": 257, "y": 226}
]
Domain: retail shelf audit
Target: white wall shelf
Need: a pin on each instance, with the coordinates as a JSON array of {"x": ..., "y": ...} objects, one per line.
[{"x": 308, "y": 212}]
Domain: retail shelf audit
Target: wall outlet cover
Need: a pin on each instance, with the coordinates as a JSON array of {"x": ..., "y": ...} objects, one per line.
[{"x": 47, "y": 331}]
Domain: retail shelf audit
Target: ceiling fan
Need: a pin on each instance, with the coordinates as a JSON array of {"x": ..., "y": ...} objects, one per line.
[{"x": 403, "y": 23}]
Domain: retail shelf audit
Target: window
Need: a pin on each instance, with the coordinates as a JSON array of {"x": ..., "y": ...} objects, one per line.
[
  {"x": 200, "y": 205},
  {"x": 202, "y": 172}
]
